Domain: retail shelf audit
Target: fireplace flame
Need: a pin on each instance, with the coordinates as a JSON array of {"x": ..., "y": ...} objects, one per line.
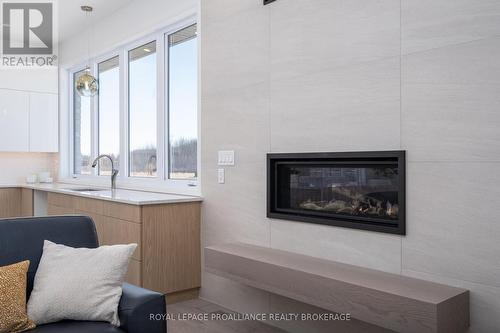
[{"x": 392, "y": 209}]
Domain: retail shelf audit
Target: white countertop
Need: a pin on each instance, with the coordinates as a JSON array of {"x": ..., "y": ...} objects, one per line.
[{"x": 119, "y": 195}]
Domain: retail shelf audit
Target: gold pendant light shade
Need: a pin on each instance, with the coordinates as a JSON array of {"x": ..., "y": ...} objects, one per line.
[{"x": 87, "y": 85}]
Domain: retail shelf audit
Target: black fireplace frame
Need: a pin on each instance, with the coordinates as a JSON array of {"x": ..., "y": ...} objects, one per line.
[{"x": 397, "y": 156}]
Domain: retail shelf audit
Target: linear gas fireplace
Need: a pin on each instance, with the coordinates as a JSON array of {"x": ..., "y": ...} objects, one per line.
[{"x": 362, "y": 190}]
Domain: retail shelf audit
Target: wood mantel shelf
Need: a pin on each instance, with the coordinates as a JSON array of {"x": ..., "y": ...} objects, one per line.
[{"x": 392, "y": 301}]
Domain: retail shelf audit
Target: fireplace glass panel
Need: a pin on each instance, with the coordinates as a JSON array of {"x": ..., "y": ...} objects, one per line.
[{"x": 344, "y": 190}]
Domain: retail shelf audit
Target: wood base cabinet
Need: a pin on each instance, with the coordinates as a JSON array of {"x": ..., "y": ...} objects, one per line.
[
  {"x": 16, "y": 202},
  {"x": 168, "y": 255}
]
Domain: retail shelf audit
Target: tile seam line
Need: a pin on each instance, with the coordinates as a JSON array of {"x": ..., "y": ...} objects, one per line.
[
  {"x": 449, "y": 45},
  {"x": 450, "y": 278}
]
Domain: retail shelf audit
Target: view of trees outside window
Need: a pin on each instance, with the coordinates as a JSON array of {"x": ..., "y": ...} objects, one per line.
[
  {"x": 142, "y": 111},
  {"x": 82, "y": 132},
  {"x": 109, "y": 114},
  {"x": 183, "y": 102}
]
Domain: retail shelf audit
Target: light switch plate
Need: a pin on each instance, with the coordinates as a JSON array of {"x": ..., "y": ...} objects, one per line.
[
  {"x": 226, "y": 157},
  {"x": 221, "y": 177}
]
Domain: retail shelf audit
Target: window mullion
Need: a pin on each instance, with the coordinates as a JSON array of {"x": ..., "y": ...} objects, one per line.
[
  {"x": 124, "y": 118},
  {"x": 161, "y": 108},
  {"x": 71, "y": 124},
  {"x": 167, "y": 106},
  {"x": 94, "y": 111}
]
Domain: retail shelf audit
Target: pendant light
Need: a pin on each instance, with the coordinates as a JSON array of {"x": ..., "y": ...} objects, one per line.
[{"x": 87, "y": 85}]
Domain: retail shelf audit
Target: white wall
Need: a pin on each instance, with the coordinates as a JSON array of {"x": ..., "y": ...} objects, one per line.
[
  {"x": 126, "y": 24},
  {"x": 335, "y": 75}
]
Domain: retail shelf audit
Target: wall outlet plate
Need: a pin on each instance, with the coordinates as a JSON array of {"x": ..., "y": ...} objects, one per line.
[
  {"x": 221, "y": 177},
  {"x": 226, "y": 157}
]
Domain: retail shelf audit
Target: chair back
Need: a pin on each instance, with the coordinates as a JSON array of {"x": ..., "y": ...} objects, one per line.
[{"x": 22, "y": 238}]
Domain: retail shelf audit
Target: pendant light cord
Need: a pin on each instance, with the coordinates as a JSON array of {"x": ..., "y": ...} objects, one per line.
[
  {"x": 88, "y": 11},
  {"x": 88, "y": 41}
]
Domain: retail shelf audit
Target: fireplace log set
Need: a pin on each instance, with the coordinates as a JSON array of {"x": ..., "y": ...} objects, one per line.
[
  {"x": 350, "y": 201},
  {"x": 355, "y": 207}
]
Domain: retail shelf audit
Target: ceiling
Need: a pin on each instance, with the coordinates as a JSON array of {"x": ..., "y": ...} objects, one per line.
[{"x": 73, "y": 20}]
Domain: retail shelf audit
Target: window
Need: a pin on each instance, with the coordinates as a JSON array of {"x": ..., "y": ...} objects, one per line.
[
  {"x": 183, "y": 100},
  {"x": 142, "y": 110},
  {"x": 145, "y": 115},
  {"x": 82, "y": 131},
  {"x": 109, "y": 113}
]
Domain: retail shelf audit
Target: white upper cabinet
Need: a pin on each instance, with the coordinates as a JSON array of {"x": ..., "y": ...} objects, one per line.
[
  {"x": 43, "y": 123},
  {"x": 14, "y": 120},
  {"x": 29, "y": 121}
]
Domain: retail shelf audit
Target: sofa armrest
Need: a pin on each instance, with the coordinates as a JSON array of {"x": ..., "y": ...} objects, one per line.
[{"x": 141, "y": 310}]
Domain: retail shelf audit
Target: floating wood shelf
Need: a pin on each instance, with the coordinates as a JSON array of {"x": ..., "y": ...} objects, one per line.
[{"x": 392, "y": 301}]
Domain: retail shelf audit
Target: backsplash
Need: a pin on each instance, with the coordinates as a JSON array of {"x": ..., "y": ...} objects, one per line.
[{"x": 14, "y": 167}]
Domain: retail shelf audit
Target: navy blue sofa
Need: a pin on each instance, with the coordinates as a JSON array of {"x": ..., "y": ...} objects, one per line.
[{"x": 22, "y": 239}]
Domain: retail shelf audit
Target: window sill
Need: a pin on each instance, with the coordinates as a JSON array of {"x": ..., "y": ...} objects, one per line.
[{"x": 149, "y": 185}]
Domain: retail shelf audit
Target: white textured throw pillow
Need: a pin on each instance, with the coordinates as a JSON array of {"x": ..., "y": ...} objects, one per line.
[{"x": 79, "y": 283}]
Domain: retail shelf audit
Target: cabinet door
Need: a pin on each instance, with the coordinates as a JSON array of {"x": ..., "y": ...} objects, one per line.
[
  {"x": 44, "y": 122},
  {"x": 10, "y": 202},
  {"x": 14, "y": 120}
]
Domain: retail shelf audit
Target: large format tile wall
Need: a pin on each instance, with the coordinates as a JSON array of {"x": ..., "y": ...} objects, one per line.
[{"x": 346, "y": 75}]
